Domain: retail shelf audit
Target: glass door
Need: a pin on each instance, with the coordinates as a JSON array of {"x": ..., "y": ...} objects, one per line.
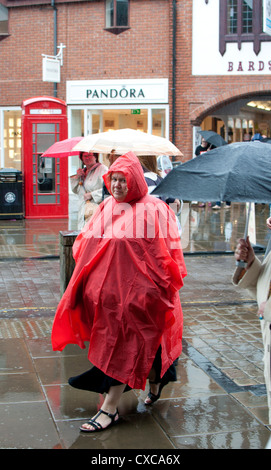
[{"x": 94, "y": 121}]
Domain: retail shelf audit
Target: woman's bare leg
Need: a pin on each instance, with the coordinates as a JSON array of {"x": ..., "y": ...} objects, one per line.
[{"x": 109, "y": 405}]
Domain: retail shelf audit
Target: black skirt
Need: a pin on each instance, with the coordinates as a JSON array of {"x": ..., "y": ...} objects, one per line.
[{"x": 94, "y": 380}]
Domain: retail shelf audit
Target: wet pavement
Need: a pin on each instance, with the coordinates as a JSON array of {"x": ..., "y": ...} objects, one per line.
[{"x": 219, "y": 400}]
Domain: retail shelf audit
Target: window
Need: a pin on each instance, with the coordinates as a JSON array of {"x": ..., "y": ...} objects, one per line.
[
  {"x": 3, "y": 21},
  {"x": 246, "y": 16},
  {"x": 232, "y": 17},
  {"x": 12, "y": 138},
  {"x": 247, "y": 23},
  {"x": 116, "y": 15},
  {"x": 241, "y": 21}
]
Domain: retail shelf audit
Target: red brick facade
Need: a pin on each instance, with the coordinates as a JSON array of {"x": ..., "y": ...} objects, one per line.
[{"x": 142, "y": 51}]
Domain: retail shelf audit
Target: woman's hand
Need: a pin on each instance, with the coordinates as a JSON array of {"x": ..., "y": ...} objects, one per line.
[
  {"x": 261, "y": 310},
  {"x": 244, "y": 252},
  {"x": 268, "y": 222},
  {"x": 87, "y": 196},
  {"x": 175, "y": 206},
  {"x": 178, "y": 204},
  {"x": 80, "y": 172}
]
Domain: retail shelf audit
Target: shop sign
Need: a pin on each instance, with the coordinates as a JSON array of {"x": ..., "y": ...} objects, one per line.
[
  {"x": 267, "y": 16},
  {"x": 45, "y": 111},
  {"x": 239, "y": 58},
  {"x": 50, "y": 70},
  {"x": 249, "y": 66},
  {"x": 117, "y": 91}
]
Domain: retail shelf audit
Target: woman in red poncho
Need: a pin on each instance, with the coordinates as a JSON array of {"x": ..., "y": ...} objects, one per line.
[{"x": 123, "y": 295}]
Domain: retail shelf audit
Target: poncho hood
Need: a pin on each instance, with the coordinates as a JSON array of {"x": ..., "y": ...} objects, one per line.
[{"x": 130, "y": 166}]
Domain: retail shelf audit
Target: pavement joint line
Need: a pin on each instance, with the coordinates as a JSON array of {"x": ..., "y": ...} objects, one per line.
[
  {"x": 218, "y": 302},
  {"x": 32, "y": 258},
  {"x": 25, "y": 308},
  {"x": 183, "y": 303},
  {"x": 217, "y": 375},
  {"x": 190, "y": 254},
  {"x": 13, "y": 313}
]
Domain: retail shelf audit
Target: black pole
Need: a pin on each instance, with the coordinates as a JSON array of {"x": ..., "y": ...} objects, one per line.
[
  {"x": 55, "y": 39},
  {"x": 174, "y": 14}
]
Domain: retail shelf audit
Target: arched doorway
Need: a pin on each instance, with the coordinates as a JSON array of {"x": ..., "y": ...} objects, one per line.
[{"x": 240, "y": 119}]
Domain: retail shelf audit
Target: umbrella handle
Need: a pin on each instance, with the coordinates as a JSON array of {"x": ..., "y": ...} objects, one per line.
[
  {"x": 242, "y": 264},
  {"x": 247, "y": 221}
]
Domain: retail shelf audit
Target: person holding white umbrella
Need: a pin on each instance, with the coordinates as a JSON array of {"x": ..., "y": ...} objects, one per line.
[{"x": 88, "y": 184}]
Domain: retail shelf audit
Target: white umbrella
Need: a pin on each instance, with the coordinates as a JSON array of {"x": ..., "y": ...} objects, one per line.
[{"x": 125, "y": 140}]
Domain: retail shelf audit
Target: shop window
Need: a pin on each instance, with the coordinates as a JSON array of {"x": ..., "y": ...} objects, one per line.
[
  {"x": 12, "y": 139},
  {"x": 158, "y": 122},
  {"x": 3, "y": 21},
  {"x": 241, "y": 21},
  {"x": 116, "y": 15}
]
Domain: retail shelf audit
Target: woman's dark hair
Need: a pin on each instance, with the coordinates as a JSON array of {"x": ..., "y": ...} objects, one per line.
[{"x": 96, "y": 155}]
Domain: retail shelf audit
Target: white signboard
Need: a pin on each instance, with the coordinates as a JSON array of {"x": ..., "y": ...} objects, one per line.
[
  {"x": 206, "y": 57},
  {"x": 117, "y": 91},
  {"x": 50, "y": 70},
  {"x": 267, "y": 16}
]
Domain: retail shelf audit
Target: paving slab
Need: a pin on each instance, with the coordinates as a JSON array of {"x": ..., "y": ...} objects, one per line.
[{"x": 219, "y": 400}]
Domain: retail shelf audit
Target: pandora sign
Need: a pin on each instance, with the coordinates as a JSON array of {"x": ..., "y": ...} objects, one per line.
[{"x": 117, "y": 91}]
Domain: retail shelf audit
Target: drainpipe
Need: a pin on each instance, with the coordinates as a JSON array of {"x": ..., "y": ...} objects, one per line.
[
  {"x": 55, "y": 38},
  {"x": 173, "y": 68}
]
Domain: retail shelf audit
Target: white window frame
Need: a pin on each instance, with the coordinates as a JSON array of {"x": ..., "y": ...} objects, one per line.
[
  {"x": 100, "y": 108},
  {"x": 2, "y": 150}
]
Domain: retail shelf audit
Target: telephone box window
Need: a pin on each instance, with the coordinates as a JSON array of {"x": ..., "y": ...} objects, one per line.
[{"x": 44, "y": 173}]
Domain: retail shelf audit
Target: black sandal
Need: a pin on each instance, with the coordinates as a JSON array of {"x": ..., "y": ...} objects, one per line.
[
  {"x": 153, "y": 397},
  {"x": 97, "y": 426}
]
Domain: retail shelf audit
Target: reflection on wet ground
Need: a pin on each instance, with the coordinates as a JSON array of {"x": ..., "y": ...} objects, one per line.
[
  {"x": 219, "y": 400},
  {"x": 209, "y": 230},
  {"x": 203, "y": 230}
]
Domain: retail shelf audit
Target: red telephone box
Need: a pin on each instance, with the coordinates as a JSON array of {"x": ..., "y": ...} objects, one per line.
[{"x": 44, "y": 122}]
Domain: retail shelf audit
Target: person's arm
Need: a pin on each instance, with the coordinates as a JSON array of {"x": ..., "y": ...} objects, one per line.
[
  {"x": 97, "y": 193},
  {"x": 244, "y": 252},
  {"x": 265, "y": 310},
  {"x": 246, "y": 278},
  {"x": 77, "y": 180}
]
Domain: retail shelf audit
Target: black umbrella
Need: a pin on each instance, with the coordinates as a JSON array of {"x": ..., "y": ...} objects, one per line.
[
  {"x": 239, "y": 172},
  {"x": 213, "y": 138}
]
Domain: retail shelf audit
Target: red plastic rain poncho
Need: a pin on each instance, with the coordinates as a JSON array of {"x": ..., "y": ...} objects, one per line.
[{"x": 123, "y": 295}]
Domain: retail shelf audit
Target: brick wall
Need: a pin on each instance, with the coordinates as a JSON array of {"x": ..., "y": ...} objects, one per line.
[
  {"x": 143, "y": 51},
  {"x": 91, "y": 52}
]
